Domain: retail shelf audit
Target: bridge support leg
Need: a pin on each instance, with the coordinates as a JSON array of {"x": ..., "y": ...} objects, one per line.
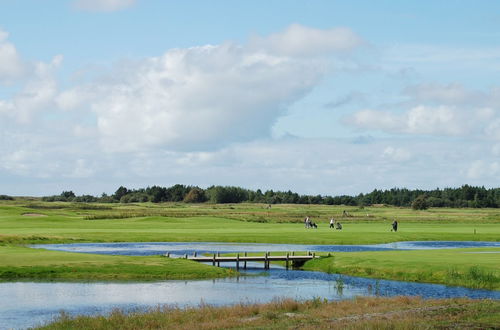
[
  {"x": 218, "y": 262},
  {"x": 213, "y": 261},
  {"x": 245, "y": 263},
  {"x": 287, "y": 260},
  {"x": 238, "y": 262}
]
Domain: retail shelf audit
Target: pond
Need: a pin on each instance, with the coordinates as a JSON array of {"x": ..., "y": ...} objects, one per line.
[
  {"x": 26, "y": 304},
  {"x": 181, "y": 248}
]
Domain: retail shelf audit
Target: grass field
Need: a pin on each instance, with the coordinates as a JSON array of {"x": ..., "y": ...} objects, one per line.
[
  {"x": 26, "y": 263},
  {"x": 474, "y": 268},
  {"x": 360, "y": 313},
  {"x": 67, "y": 222},
  {"x": 33, "y": 221}
]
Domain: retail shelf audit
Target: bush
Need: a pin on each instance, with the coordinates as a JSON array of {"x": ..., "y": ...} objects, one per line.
[
  {"x": 420, "y": 203},
  {"x": 195, "y": 195}
]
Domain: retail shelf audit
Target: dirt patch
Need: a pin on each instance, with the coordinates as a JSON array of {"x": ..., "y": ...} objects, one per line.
[{"x": 33, "y": 215}]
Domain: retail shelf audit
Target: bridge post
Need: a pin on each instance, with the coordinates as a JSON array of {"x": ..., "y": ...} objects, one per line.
[
  {"x": 167, "y": 255},
  {"x": 245, "y": 264},
  {"x": 293, "y": 253},
  {"x": 237, "y": 261},
  {"x": 194, "y": 254},
  {"x": 287, "y": 258},
  {"x": 265, "y": 260},
  {"x": 185, "y": 256},
  {"x": 218, "y": 256},
  {"x": 213, "y": 260}
]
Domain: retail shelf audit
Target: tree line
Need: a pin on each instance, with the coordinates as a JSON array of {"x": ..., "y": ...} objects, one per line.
[{"x": 465, "y": 196}]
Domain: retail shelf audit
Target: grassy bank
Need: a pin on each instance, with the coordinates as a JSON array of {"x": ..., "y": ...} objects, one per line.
[
  {"x": 21, "y": 263},
  {"x": 360, "y": 313},
  {"x": 473, "y": 268}
]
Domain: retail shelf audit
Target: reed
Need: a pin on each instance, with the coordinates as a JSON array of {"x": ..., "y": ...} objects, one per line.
[{"x": 359, "y": 313}]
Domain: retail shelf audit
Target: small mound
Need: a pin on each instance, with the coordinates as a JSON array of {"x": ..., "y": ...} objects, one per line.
[{"x": 33, "y": 215}]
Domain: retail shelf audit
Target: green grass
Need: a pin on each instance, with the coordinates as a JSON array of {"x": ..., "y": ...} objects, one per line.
[
  {"x": 359, "y": 313},
  {"x": 20, "y": 263},
  {"x": 147, "y": 222},
  {"x": 66, "y": 222},
  {"x": 462, "y": 267}
]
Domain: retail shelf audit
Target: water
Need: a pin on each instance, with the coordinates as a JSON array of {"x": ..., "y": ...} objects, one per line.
[
  {"x": 179, "y": 249},
  {"x": 26, "y": 304}
]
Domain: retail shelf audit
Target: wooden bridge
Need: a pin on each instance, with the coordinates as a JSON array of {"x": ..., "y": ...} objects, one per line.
[{"x": 290, "y": 259}]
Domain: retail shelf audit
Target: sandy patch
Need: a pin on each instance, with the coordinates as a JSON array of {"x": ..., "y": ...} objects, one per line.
[{"x": 33, "y": 215}]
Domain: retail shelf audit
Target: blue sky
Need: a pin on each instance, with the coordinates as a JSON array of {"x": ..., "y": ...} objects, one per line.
[{"x": 320, "y": 97}]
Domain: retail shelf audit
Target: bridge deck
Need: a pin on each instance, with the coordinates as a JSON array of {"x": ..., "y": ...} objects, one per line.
[{"x": 216, "y": 259}]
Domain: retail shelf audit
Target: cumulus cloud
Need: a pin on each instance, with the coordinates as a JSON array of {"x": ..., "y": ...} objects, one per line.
[
  {"x": 103, "y": 5},
  {"x": 442, "y": 110},
  {"x": 299, "y": 40},
  {"x": 11, "y": 64},
  {"x": 200, "y": 97},
  {"x": 36, "y": 94}
]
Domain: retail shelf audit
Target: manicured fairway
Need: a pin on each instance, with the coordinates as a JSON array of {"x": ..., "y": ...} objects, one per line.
[
  {"x": 24, "y": 221},
  {"x": 25, "y": 263},
  {"x": 240, "y": 223},
  {"x": 475, "y": 268}
]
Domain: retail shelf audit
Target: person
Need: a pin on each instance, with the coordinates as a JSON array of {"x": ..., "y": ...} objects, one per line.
[
  {"x": 339, "y": 226},
  {"x": 332, "y": 223},
  {"x": 305, "y": 221},
  {"x": 395, "y": 226}
]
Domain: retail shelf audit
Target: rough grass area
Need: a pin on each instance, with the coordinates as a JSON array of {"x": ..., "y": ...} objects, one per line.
[
  {"x": 20, "y": 263},
  {"x": 68, "y": 222},
  {"x": 360, "y": 313},
  {"x": 473, "y": 268}
]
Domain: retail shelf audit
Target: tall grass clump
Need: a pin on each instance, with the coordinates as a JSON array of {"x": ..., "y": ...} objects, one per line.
[{"x": 475, "y": 277}]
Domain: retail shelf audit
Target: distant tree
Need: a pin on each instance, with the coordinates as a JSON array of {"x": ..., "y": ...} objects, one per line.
[
  {"x": 120, "y": 192},
  {"x": 6, "y": 198},
  {"x": 195, "y": 195},
  {"x": 420, "y": 203},
  {"x": 68, "y": 194}
]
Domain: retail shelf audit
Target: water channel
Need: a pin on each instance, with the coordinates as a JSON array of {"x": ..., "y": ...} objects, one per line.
[{"x": 26, "y": 304}]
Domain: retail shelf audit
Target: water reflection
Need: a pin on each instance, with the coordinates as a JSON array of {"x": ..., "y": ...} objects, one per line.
[
  {"x": 181, "y": 248},
  {"x": 25, "y": 304}
]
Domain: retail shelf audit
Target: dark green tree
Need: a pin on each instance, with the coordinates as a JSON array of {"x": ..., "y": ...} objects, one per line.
[{"x": 420, "y": 203}]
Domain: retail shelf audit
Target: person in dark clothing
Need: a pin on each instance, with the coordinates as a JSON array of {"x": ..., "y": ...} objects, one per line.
[{"x": 395, "y": 226}]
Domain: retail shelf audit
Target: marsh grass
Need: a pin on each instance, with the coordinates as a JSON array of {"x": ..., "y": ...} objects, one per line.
[
  {"x": 474, "y": 277},
  {"x": 359, "y": 313}
]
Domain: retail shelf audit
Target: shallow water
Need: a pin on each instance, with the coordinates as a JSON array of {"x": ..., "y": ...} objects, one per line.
[
  {"x": 26, "y": 304},
  {"x": 181, "y": 248}
]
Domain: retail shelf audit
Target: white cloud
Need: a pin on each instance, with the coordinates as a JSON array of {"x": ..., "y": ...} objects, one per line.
[
  {"x": 492, "y": 129},
  {"x": 480, "y": 169},
  {"x": 37, "y": 93},
  {"x": 397, "y": 154},
  {"x": 103, "y": 5},
  {"x": 299, "y": 40},
  {"x": 11, "y": 65},
  {"x": 434, "y": 109},
  {"x": 423, "y": 120},
  {"x": 200, "y": 97}
]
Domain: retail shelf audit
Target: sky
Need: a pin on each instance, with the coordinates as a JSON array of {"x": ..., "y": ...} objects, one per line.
[{"x": 318, "y": 97}]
